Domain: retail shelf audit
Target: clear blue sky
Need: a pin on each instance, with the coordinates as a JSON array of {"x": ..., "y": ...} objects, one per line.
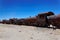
[{"x": 26, "y": 8}]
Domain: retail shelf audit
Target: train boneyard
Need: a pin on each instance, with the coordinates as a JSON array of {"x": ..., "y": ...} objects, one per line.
[{"x": 41, "y": 20}]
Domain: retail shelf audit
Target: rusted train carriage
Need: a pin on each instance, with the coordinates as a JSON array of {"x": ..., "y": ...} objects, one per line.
[
  {"x": 43, "y": 20},
  {"x": 40, "y": 20}
]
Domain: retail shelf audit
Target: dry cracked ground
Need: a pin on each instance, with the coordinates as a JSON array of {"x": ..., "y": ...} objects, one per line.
[{"x": 15, "y": 32}]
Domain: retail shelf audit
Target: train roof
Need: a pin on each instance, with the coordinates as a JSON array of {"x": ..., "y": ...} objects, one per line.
[{"x": 47, "y": 14}]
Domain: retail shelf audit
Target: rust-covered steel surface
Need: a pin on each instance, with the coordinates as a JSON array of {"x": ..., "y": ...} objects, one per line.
[{"x": 41, "y": 20}]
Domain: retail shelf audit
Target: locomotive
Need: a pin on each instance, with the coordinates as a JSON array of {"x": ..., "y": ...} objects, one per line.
[{"x": 41, "y": 20}]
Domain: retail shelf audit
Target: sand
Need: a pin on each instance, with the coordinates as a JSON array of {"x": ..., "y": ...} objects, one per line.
[{"x": 15, "y": 32}]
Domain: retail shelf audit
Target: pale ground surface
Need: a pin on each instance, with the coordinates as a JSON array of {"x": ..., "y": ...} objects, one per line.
[{"x": 15, "y": 32}]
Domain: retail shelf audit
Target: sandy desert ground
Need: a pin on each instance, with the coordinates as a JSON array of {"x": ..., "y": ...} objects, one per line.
[{"x": 15, "y": 32}]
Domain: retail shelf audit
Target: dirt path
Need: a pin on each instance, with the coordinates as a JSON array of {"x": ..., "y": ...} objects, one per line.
[{"x": 15, "y": 32}]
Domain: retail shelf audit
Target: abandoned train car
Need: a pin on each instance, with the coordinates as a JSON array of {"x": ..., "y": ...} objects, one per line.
[{"x": 39, "y": 20}]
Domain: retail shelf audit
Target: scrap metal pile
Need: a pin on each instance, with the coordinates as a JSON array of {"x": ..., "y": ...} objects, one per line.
[{"x": 41, "y": 20}]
